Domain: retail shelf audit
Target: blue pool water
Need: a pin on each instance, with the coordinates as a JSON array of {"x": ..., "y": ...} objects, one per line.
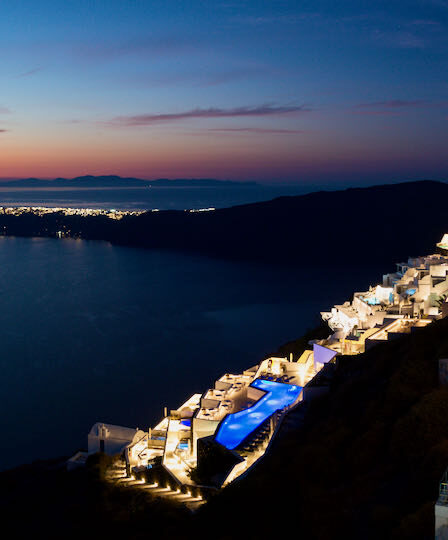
[
  {"x": 237, "y": 426},
  {"x": 372, "y": 301}
]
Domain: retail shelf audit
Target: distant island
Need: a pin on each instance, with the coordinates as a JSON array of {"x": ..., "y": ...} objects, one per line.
[{"x": 112, "y": 181}]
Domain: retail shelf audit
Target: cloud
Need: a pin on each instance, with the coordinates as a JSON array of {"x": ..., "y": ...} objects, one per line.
[
  {"x": 4, "y": 130},
  {"x": 424, "y": 23},
  {"x": 390, "y": 107},
  {"x": 4, "y": 110},
  {"x": 212, "y": 112},
  {"x": 393, "y": 104},
  {"x": 256, "y": 130},
  {"x": 29, "y": 73},
  {"x": 389, "y": 112},
  {"x": 401, "y": 39},
  {"x": 415, "y": 33},
  {"x": 395, "y": 107}
]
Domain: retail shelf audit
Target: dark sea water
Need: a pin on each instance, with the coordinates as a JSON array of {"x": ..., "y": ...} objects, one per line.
[
  {"x": 163, "y": 198},
  {"x": 91, "y": 332}
]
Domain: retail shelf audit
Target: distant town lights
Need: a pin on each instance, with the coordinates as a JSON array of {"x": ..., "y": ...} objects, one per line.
[{"x": 67, "y": 211}]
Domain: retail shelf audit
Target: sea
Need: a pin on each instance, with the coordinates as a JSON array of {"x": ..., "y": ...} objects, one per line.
[{"x": 93, "y": 332}]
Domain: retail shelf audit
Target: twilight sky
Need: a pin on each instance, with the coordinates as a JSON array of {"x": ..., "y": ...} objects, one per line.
[{"x": 316, "y": 92}]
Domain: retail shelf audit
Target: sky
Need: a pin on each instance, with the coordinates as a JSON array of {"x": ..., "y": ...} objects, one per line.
[{"x": 311, "y": 92}]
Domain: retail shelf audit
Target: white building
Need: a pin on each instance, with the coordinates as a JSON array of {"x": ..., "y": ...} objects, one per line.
[
  {"x": 110, "y": 439},
  {"x": 416, "y": 291}
]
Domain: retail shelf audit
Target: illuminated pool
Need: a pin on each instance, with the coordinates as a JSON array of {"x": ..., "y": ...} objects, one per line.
[{"x": 237, "y": 426}]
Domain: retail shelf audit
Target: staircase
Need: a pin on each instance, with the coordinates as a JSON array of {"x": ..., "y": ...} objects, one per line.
[
  {"x": 257, "y": 441},
  {"x": 116, "y": 474}
]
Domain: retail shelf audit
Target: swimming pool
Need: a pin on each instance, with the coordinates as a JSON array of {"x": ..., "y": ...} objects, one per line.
[{"x": 237, "y": 426}]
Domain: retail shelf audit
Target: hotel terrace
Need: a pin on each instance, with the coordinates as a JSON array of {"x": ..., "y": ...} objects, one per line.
[{"x": 236, "y": 419}]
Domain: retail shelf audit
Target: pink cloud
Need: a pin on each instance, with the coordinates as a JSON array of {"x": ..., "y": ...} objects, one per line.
[{"x": 212, "y": 112}]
